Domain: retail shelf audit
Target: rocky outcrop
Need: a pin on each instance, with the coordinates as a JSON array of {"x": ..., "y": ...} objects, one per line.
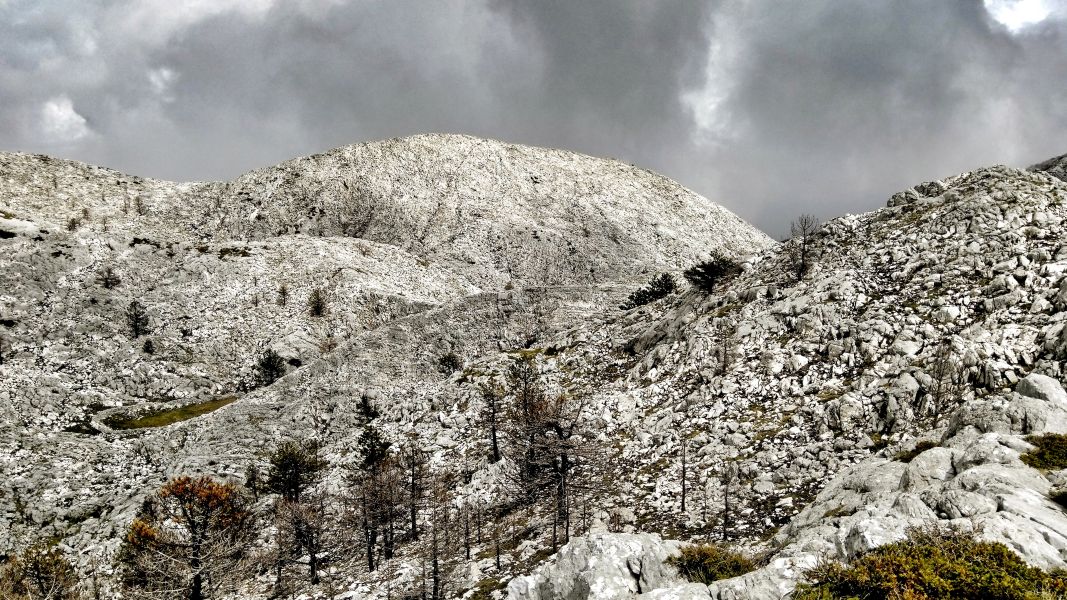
[
  {"x": 1056, "y": 167},
  {"x": 973, "y": 479},
  {"x": 607, "y": 566},
  {"x": 775, "y": 581}
]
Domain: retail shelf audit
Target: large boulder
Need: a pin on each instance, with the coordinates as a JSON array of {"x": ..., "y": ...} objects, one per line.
[
  {"x": 775, "y": 581},
  {"x": 974, "y": 479},
  {"x": 1038, "y": 405},
  {"x": 604, "y": 566}
]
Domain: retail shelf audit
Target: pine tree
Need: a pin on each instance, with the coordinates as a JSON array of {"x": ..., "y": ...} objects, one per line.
[{"x": 136, "y": 319}]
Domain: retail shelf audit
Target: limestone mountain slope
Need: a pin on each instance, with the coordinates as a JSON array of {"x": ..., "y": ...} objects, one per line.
[
  {"x": 444, "y": 217},
  {"x": 421, "y": 246},
  {"x": 827, "y": 380},
  {"x": 792, "y": 397}
]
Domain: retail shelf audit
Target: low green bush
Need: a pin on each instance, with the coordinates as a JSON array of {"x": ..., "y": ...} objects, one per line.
[
  {"x": 705, "y": 563},
  {"x": 933, "y": 563},
  {"x": 660, "y": 286},
  {"x": 707, "y": 274},
  {"x": 1050, "y": 453}
]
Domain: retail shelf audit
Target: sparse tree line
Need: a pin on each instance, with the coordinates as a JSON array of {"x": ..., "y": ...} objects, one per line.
[{"x": 198, "y": 537}]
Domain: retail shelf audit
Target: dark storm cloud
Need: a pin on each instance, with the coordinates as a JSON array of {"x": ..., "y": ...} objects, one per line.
[
  {"x": 771, "y": 108},
  {"x": 838, "y": 104}
]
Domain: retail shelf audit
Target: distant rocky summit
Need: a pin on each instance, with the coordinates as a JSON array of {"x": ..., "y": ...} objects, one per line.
[
  {"x": 1056, "y": 167},
  {"x": 437, "y": 320}
]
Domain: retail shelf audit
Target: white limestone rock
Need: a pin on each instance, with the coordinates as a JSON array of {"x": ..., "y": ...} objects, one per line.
[{"x": 602, "y": 566}]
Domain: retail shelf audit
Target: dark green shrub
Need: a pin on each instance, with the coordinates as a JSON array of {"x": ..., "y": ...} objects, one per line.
[
  {"x": 658, "y": 287},
  {"x": 149, "y": 347},
  {"x": 706, "y": 563},
  {"x": 317, "y": 303},
  {"x": 270, "y": 367},
  {"x": 908, "y": 455},
  {"x": 449, "y": 363},
  {"x": 933, "y": 563},
  {"x": 136, "y": 319},
  {"x": 706, "y": 275},
  {"x": 1051, "y": 451}
]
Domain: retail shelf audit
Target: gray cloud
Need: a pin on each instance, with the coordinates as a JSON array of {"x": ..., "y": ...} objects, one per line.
[
  {"x": 770, "y": 108},
  {"x": 838, "y": 104}
]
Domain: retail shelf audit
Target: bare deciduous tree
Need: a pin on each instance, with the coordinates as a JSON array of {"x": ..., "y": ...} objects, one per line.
[
  {"x": 492, "y": 395},
  {"x": 187, "y": 540},
  {"x": 40, "y": 572},
  {"x": 946, "y": 381},
  {"x": 728, "y": 477},
  {"x": 802, "y": 230},
  {"x": 546, "y": 442},
  {"x": 305, "y": 526}
]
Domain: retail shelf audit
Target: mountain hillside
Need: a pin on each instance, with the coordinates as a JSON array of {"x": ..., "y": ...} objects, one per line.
[
  {"x": 882, "y": 372},
  {"x": 225, "y": 270}
]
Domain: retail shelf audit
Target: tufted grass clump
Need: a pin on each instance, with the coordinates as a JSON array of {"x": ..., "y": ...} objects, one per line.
[
  {"x": 1050, "y": 453},
  {"x": 934, "y": 563},
  {"x": 705, "y": 563}
]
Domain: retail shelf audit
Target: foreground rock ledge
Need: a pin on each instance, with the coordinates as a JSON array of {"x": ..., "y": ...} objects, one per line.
[{"x": 973, "y": 479}]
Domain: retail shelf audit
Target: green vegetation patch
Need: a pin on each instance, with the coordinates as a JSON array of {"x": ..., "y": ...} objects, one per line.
[
  {"x": 705, "y": 563},
  {"x": 485, "y": 588},
  {"x": 908, "y": 455},
  {"x": 167, "y": 417},
  {"x": 942, "y": 563},
  {"x": 1050, "y": 453}
]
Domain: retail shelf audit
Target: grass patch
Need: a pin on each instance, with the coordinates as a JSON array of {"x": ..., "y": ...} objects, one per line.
[
  {"x": 485, "y": 588},
  {"x": 907, "y": 456},
  {"x": 934, "y": 563},
  {"x": 1050, "y": 453},
  {"x": 167, "y": 417},
  {"x": 880, "y": 442},
  {"x": 706, "y": 563}
]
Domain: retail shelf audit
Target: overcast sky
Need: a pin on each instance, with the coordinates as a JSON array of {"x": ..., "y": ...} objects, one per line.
[{"x": 770, "y": 108}]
